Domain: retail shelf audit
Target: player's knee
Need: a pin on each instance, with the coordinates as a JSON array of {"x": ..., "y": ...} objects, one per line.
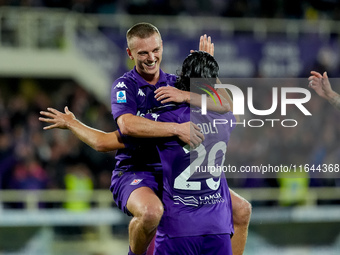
[
  {"x": 152, "y": 215},
  {"x": 242, "y": 213}
]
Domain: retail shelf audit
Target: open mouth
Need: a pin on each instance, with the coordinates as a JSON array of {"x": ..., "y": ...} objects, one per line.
[{"x": 151, "y": 64}]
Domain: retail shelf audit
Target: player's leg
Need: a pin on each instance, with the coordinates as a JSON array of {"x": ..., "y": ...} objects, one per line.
[
  {"x": 147, "y": 210},
  {"x": 135, "y": 194},
  {"x": 241, "y": 218}
]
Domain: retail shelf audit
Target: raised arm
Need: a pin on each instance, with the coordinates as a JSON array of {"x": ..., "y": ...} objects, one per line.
[
  {"x": 170, "y": 94},
  {"x": 97, "y": 139},
  {"x": 206, "y": 45},
  {"x": 225, "y": 94},
  {"x": 321, "y": 85}
]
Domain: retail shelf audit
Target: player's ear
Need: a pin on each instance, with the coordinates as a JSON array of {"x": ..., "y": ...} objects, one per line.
[{"x": 129, "y": 53}]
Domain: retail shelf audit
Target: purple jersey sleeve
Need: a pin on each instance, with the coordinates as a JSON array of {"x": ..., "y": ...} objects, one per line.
[{"x": 123, "y": 97}]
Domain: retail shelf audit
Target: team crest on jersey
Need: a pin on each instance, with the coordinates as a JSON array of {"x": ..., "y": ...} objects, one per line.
[
  {"x": 120, "y": 85},
  {"x": 136, "y": 181},
  {"x": 141, "y": 93},
  {"x": 121, "y": 96},
  {"x": 155, "y": 116}
]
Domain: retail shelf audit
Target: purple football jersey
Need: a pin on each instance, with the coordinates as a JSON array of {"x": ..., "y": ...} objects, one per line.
[
  {"x": 196, "y": 195},
  {"x": 132, "y": 94}
]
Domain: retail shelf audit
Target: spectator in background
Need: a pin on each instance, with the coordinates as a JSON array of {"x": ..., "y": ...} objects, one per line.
[
  {"x": 7, "y": 157},
  {"x": 31, "y": 159},
  {"x": 28, "y": 174},
  {"x": 293, "y": 188},
  {"x": 79, "y": 184}
]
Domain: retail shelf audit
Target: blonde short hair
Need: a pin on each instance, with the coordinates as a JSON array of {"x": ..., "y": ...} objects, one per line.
[{"x": 141, "y": 30}]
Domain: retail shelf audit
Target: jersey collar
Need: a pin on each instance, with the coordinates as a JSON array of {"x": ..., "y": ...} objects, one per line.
[{"x": 141, "y": 82}]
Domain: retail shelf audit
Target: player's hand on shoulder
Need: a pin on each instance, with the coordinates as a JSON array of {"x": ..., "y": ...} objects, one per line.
[
  {"x": 206, "y": 45},
  {"x": 56, "y": 118},
  {"x": 168, "y": 94}
]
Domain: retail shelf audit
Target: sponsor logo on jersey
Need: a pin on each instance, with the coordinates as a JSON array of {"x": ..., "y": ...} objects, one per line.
[
  {"x": 191, "y": 201},
  {"x": 212, "y": 199},
  {"x": 120, "y": 85},
  {"x": 136, "y": 181},
  {"x": 121, "y": 96},
  {"x": 201, "y": 200},
  {"x": 141, "y": 93}
]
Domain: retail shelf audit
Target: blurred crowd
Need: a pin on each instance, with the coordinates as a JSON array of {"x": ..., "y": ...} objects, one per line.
[
  {"x": 312, "y": 143},
  {"x": 32, "y": 158},
  {"x": 310, "y": 9}
]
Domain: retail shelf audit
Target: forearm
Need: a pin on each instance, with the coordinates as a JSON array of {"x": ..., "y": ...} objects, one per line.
[
  {"x": 334, "y": 100},
  {"x": 226, "y": 97},
  {"x": 96, "y": 139},
  {"x": 136, "y": 126},
  {"x": 196, "y": 100}
]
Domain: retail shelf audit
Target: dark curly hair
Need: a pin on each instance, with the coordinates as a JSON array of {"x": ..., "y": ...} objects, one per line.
[{"x": 198, "y": 64}]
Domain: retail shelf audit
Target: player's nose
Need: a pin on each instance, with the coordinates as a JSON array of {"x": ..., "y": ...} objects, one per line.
[{"x": 151, "y": 57}]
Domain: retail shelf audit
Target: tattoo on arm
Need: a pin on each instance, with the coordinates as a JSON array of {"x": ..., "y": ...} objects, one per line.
[{"x": 335, "y": 101}]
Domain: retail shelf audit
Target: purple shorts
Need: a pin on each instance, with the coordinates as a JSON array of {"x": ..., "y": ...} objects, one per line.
[
  {"x": 123, "y": 183},
  {"x": 193, "y": 245}
]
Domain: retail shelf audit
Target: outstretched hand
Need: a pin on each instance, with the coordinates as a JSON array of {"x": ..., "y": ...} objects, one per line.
[
  {"x": 320, "y": 84},
  {"x": 56, "y": 118},
  {"x": 206, "y": 45}
]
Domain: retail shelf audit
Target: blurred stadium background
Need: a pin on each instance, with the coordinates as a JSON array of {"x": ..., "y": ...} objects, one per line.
[{"x": 54, "y": 196}]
